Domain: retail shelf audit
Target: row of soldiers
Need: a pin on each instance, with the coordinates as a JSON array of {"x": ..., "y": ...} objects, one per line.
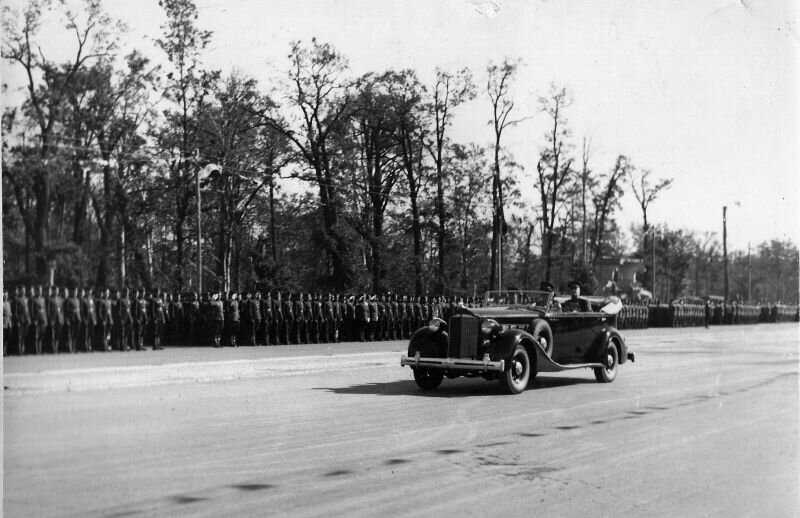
[{"x": 56, "y": 320}]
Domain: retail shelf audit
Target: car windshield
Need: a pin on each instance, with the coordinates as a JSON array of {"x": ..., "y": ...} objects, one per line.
[{"x": 518, "y": 298}]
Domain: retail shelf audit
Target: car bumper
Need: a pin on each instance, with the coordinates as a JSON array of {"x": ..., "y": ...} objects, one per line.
[{"x": 448, "y": 364}]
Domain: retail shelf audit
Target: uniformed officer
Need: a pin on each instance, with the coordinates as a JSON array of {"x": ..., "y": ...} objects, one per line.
[
  {"x": 21, "y": 318},
  {"x": 350, "y": 326},
  {"x": 278, "y": 323},
  {"x": 287, "y": 306},
  {"x": 139, "y": 307},
  {"x": 576, "y": 302},
  {"x": 373, "y": 329},
  {"x": 158, "y": 318},
  {"x": 216, "y": 319},
  {"x": 253, "y": 317},
  {"x": 123, "y": 320},
  {"x": 299, "y": 318},
  {"x": 7, "y": 321},
  {"x": 232, "y": 318},
  {"x": 338, "y": 307},
  {"x": 72, "y": 318},
  {"x": 105, "y": 319},
  {"x": 316, "y": 319},
  {"x": 39, "y": 319},
  {"x": 192, "y": 312},
  {"x": 326, "y": 319},
  {"x": 88, "y": 320}
]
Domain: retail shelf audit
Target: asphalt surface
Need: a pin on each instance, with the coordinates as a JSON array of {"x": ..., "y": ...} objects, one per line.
[{"x": 705, "y": 423}]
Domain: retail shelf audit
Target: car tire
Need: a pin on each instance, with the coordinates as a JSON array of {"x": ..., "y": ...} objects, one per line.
[
  {"x": 515, "y": 378},
  {"x": 607, "y": 373},
  {"x": 428, "y": 379},
  {"x": 541, "y": 332}
]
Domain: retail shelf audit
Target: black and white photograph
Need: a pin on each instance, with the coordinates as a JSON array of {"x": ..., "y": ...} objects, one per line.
[{"x": 323, "y": 258}]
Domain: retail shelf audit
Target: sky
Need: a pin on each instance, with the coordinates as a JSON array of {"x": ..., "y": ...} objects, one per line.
[{"x": 702, "y": 92}]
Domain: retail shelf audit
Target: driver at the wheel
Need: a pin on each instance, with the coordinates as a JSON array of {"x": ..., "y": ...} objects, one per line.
[
  {"x": 548, "y": 287},
  {"x": 576, "y": 302}
]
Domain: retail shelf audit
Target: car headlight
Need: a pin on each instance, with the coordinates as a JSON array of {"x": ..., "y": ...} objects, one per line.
[
  {"x": 490, "y": 326},
  {"x": 437, "y": 324}
]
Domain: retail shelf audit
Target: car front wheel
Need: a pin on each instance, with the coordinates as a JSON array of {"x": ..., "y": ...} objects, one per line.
[
  {"x": 428, "y": 379},
  {"x": 607, "y": 373},
  {"x": 515, "y": 379}
]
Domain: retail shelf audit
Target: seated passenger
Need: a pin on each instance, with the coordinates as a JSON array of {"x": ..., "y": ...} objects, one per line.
[
  {"x": 575, "y": 303},
  {"x": 548, "y": 287}
]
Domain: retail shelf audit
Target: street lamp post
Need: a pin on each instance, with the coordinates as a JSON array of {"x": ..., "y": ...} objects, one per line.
[{"x": 725, "y": 250}]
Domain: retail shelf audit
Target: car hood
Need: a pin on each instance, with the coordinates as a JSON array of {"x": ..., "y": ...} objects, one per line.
[{"x": 506, "y": 312}]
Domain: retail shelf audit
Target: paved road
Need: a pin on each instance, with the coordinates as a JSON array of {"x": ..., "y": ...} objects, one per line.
[{"x": 705, "y": 423}]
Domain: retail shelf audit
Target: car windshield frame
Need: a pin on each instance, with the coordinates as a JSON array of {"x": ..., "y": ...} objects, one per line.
[{"x": 527, "y": 298}]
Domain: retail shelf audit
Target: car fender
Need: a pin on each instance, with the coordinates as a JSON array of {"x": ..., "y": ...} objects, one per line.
[
  {"x": 502, "y": 346},
  {"x": 429, "y": 342},
  {"x": 609, "y": 334}
]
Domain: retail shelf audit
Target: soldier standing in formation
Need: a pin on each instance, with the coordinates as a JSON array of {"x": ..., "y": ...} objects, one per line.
[
  {"x": 22, "y": 319},
  {"x": 88, "y": 320},
  {"x": 216, "y": 318},
  {"x": 39, "y": 319},
  {"x": 158, "y": 318},
  {"x": 7, "y": 322},
  {"x": 105, "y": 317}
]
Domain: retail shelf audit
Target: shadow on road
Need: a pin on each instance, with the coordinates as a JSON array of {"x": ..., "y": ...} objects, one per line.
[{"x": 459, "y": 388}]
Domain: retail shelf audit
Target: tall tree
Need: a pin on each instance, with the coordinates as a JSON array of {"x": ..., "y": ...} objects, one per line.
[
  {"x": 449, "y": 91},
  {"x": 379, "y": 108},
  {"x": 413, "y": 124},
  {"x": 186, "y": 87},
  {"x": 319, "y": 105},
  {"x": 605, "y": 202},
  {"x": 554, "y": 169},
  {"x": 49, "y": 87},
  {"x": 498, "y": 87}
]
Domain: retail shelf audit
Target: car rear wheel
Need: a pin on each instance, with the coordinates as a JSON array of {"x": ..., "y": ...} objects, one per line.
[
  {"x": 516, "y": 377},
  {"x": 607, "y": 373},
  {"x": 428, "y": 379}
]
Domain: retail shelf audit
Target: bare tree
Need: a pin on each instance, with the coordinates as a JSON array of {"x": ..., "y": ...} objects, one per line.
[
  {"x": 605, "y": 202},
  {"x": 319, "y": 106},
  {"x": 450, "y": 90},
  {"x": 498, "y": 88},
  {"x": 554, "y": 169},
  {"x": 49, "y": 87}
]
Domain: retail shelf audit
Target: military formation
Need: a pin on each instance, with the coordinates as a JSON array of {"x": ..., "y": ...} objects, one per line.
[
  {"x": 54, "y": 320},
  {"x": 68, "y": 320}
]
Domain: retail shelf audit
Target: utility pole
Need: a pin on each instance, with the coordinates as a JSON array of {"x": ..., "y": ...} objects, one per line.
[
  {"x": 749, "y": 274},
  {"x": 654, "y": 261},
  {"x": 725, "y": 250},
  {"x": 199, "y": 231}
]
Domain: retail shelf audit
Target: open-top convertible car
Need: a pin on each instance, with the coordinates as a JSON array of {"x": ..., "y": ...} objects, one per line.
[{"x": 514, "y": 336}]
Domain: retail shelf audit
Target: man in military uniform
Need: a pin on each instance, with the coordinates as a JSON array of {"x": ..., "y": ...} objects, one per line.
[
  {"x": 299, "y": 318},
  {"x": 338, "y": 307},
  {"x": 216, "y": 319},
  {"x": 158, "y": 318},
  {"x": 22, "y": 318},
  {"x": 72, "y": 318},
  {"x": 287, "y": 307},
  {"x": 8, "y": 321},
  {"x": 140, "y": 319},
  {"x": 264, "y": 328},
  {"x": 105, "y": 319},
  {"x": 88, "y": 320},
  {"x": 278, "y": 324},
  {"x": 123, "y": 319},
  {"x": 252, "y": 315},
  {"x": 192, "y": 312},
  {"x": 39, "y": 319},
  {"x": 232, "y": 318},
  {"x": 327, "y": 319},
  {"x": 576, "y": 302},
  {"x": 55, "y": 318}
]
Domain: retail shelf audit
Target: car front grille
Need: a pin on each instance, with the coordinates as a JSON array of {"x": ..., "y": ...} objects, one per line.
[{"x": 465, "y": 333}]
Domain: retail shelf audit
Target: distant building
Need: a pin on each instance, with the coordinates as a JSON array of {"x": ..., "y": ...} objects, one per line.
[{"x": 621, "y": 276}]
